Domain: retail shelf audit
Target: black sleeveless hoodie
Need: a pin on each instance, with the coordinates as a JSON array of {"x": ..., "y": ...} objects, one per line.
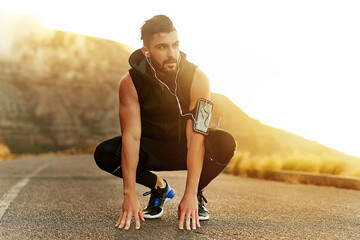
[{"x": 160, "y": 115}]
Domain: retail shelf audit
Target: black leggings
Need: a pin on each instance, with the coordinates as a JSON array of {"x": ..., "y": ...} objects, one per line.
[{"x": 168, "y": 156}]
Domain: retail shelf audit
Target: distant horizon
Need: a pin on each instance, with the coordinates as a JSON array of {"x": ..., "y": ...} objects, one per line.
[{"x": 292, "y": 66}]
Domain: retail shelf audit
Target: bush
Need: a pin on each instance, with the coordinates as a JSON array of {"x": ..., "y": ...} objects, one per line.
[
  {"x": 4, "y": 151},
  {"x": 244, "y": 164}
]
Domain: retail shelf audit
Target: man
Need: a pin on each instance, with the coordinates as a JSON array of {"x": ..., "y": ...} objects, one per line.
[{"x": 157, "y": 100}]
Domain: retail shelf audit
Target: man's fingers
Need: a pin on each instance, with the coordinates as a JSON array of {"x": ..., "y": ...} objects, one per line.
[
  {"x": 181, "y": 220},
  {"x": 141, "y": 215},
  {"x": 128, "y": 221},
  {"x": 193, "y": 220},
  {"x": 188, "y": 216},
  {"x": 137, "y": 221},
  {"x": 122, "y": 220},
  {"x": 197, "y": 220},
  {"x": 118, "y": 221}
]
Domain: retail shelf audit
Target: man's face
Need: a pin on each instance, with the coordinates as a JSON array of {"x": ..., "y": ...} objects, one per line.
[{"x": 164, "y": 52}]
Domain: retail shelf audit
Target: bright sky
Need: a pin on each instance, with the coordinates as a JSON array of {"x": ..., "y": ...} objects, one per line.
[{"x": 293, "y": 65}]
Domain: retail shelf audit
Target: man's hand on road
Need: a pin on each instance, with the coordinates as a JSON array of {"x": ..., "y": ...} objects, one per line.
[
  {"x": 130, "y": 208},
  {"x": 188, "y": 209}
]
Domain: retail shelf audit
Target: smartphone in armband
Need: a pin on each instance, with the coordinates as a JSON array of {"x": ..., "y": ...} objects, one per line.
[{"x": 202, "y": 117}]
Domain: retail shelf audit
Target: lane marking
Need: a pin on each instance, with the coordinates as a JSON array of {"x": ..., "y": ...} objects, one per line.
[{"x": 8, "y": 197}]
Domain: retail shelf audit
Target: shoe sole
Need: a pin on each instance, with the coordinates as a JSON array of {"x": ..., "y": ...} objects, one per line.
[
  {"x": 168, "y": 197},
  {"x": 204, "y": 218}
]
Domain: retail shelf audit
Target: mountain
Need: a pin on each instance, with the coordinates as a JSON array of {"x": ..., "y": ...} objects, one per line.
[
  {"x": 258, "y": 139},
  {"x": 59, "y": 91}
]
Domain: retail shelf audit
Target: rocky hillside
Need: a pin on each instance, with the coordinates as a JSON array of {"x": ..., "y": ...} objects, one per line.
[
  {"x": 258, "y": 139},
  {"x": 59, "y": 90}
]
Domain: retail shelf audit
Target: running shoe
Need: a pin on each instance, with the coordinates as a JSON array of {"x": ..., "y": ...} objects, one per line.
[
  {"x": 202, "y": 211},
  {"x": 158, "y": 198}
]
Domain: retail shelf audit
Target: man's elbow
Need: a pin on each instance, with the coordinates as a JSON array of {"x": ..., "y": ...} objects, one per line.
[
  {"x": 195, "y": 139},
  {"x": 130, "y": 138}
]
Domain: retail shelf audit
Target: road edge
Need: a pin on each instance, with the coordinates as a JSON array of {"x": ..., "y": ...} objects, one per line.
[{"x": 316, "y": 179}]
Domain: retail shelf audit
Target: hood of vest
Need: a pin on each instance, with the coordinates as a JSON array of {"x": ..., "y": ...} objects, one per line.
[
  {"x": 160, "y": 116},
  {"x": 138, "y": 62}
]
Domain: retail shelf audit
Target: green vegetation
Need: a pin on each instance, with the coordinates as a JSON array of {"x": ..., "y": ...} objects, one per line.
[
  {"x": 24, "y": 146},
  {"x": 244, "y": 164},
  {"x": 262, "y": 149},
  {"x": 4, "y": 151}
]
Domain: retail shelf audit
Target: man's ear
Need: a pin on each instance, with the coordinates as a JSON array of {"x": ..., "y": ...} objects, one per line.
[{"x": 144, "y": 50}]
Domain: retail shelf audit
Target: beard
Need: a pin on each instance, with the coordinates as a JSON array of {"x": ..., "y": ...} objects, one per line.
[{"x": 163, "y": 68}]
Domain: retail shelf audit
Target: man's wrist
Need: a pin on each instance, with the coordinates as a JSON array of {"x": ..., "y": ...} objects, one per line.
[
  {"x": 129, "y": 192},
  {"x": 190, "y": 192}
]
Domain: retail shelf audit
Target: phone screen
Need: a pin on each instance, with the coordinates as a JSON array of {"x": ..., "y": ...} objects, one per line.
[{"x": 203, "y": 115}]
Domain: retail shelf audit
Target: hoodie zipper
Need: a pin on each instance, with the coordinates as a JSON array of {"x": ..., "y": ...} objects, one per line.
[
  {"x": 163, "y": 108},
  {"x": 179, "y": 122}
]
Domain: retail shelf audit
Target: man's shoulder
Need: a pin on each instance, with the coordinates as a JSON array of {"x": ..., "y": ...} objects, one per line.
[
  {"x": 200, "y": 77},
  {"x": 126, "y": 80},
  {"x": 200, "y": 87},
  {"x": 126, "y": 86},
  {"x": 126, "y": 77}
]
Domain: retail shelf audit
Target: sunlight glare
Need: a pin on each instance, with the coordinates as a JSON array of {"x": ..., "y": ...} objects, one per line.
[{"x": 289, "y": 65}]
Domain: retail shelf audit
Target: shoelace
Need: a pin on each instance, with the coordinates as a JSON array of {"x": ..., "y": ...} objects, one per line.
[
  {"x": 201, "y": 198},
  {"x": 146, "y": 193},
  {"x": 155, "y": 194}
]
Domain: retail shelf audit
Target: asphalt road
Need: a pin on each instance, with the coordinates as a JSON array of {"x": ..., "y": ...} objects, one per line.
[{"x": 68, "y": 197}]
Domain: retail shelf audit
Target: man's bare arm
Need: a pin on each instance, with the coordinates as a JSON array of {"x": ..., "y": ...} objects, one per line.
[
  {"x": 129, "y": 115},
  {"x": 195, "y": 156},
  {"x": 195, "y": 141}
]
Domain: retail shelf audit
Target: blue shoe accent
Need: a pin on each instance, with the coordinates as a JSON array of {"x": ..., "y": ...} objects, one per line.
[
  {"x": 159, "y": 197},
  {"x": 156, "y": 202},
  {"x": 171, "y": 193}
]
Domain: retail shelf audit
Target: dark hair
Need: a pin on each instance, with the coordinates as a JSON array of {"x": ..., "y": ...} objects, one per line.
[{"x": 157, "y": 24}]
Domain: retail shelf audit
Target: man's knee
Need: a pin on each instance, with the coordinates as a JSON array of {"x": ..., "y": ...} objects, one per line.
[
  {"x": 220, "y": 145},
  {"x": 107, "y": 154},
  {"x": 104, "y": 156},
  {"x": 99, "y": 156}
]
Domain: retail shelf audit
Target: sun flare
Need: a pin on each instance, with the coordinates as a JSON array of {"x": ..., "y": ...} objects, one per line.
[{"x": 290, "y": 72}]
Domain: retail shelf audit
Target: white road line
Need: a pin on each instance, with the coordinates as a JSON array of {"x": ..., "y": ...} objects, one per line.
[{"x": 8, "y": 197}]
